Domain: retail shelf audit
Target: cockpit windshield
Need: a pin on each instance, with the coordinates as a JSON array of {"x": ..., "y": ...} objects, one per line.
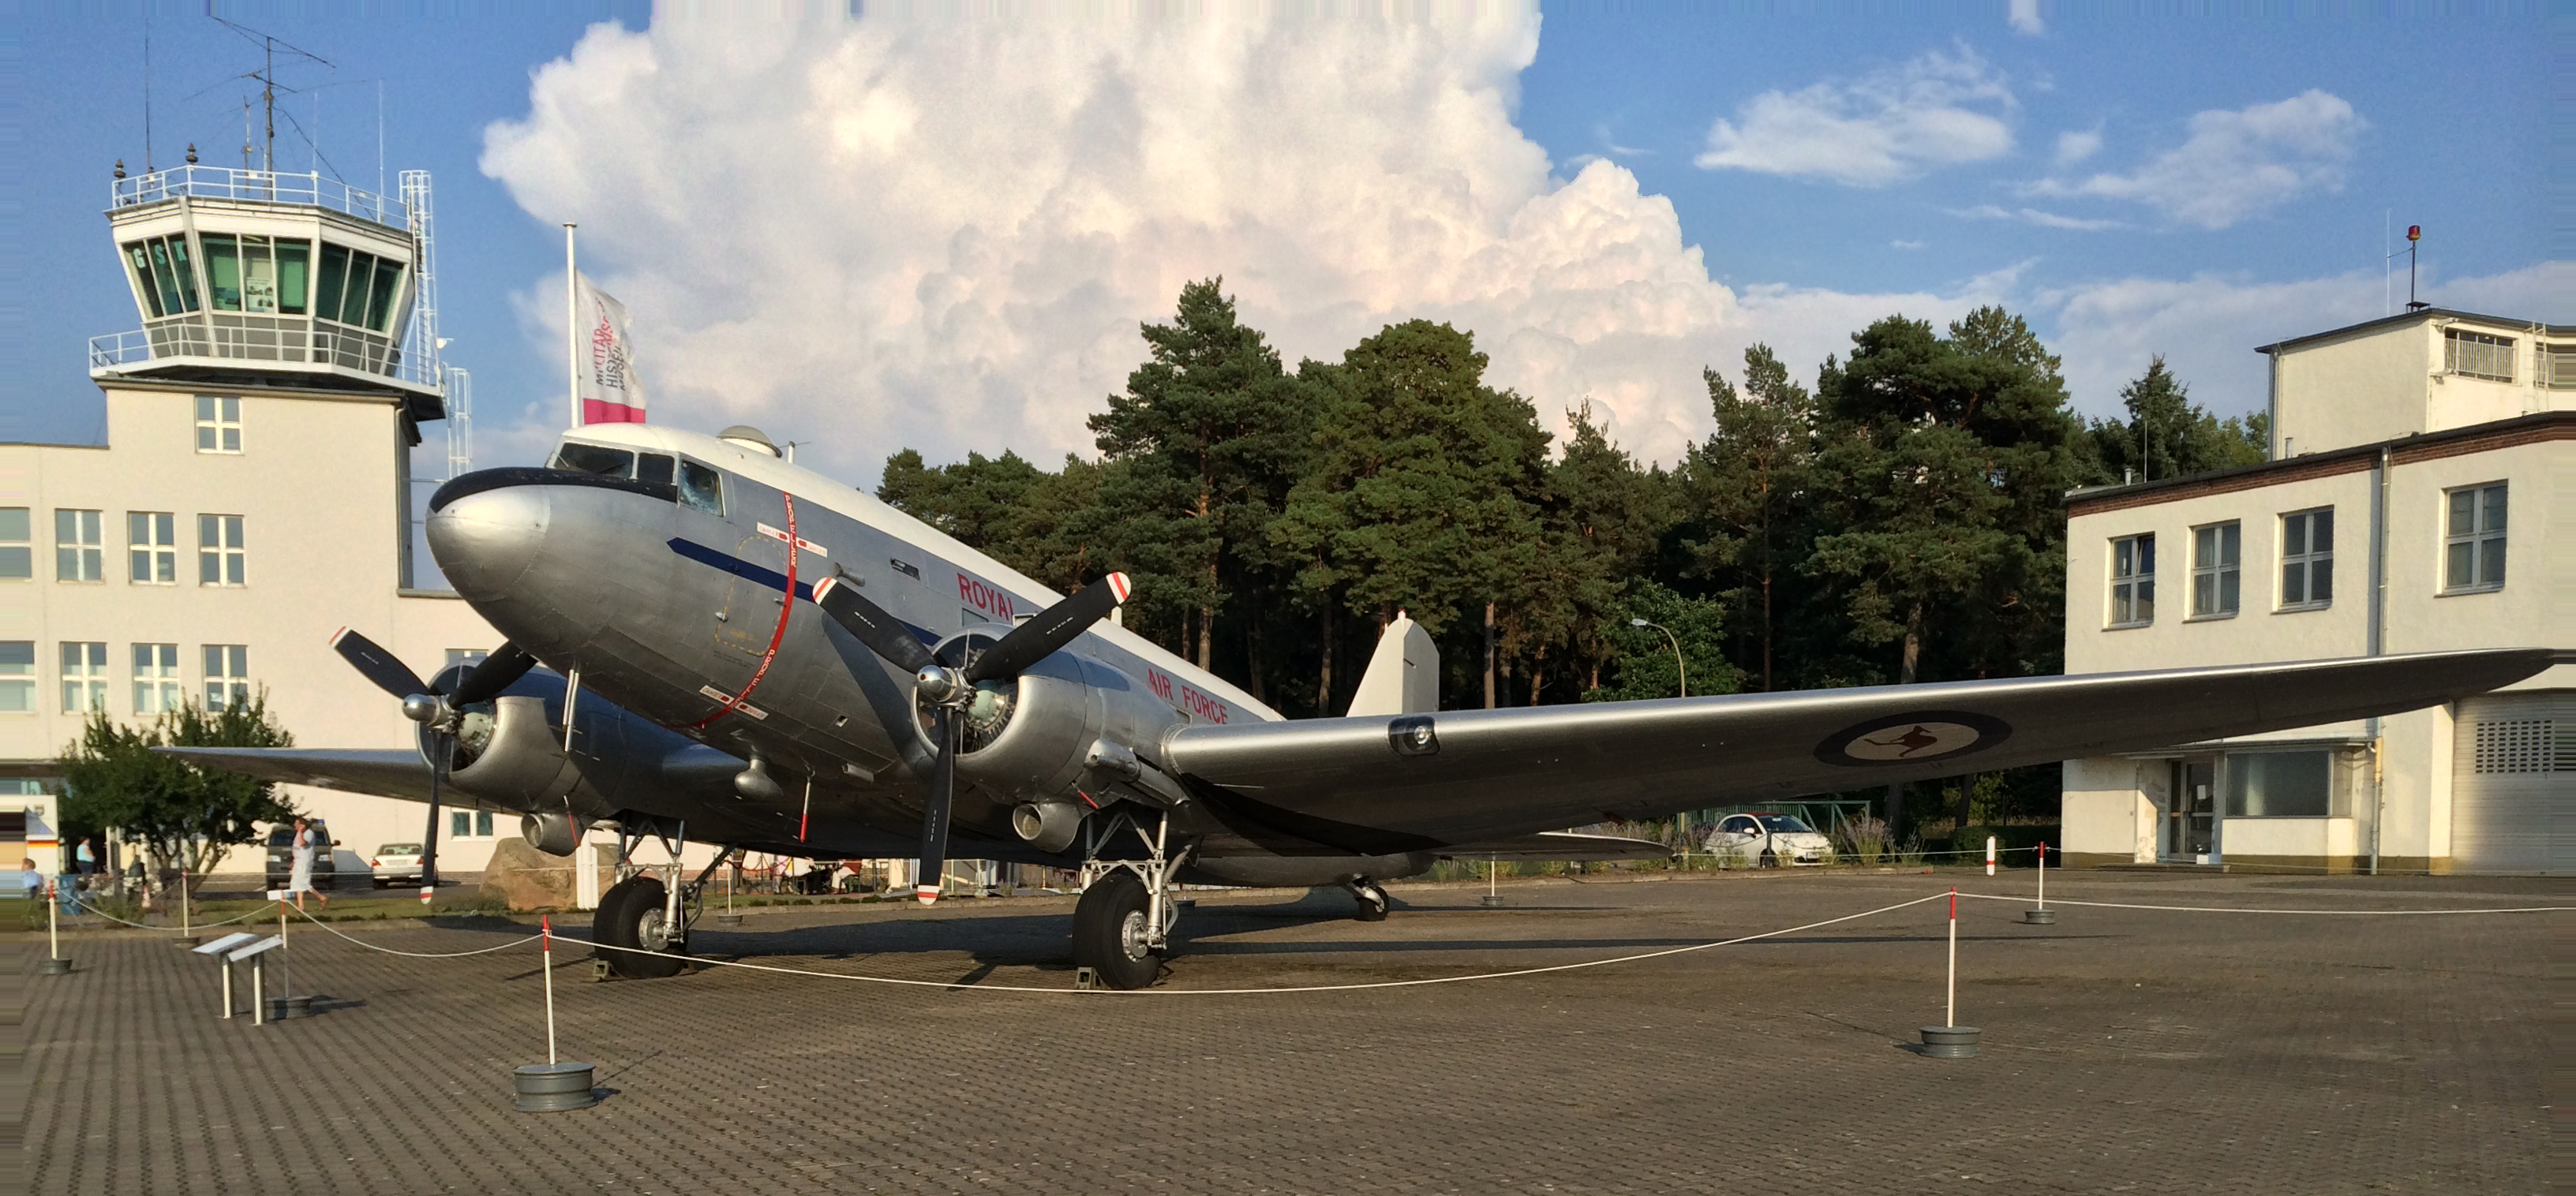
[{"x": 595, "y": 458}]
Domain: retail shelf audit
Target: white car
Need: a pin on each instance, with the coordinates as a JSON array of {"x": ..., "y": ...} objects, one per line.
[
  {"x": 396, "y": 862},
  {"x": 1769, "y": 841}
]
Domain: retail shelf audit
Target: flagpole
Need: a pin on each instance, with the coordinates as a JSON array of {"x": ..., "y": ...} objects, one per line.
[{"x": 572, "y": 330}]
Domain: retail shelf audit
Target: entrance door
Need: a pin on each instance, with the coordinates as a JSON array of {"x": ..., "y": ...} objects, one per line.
[{"x": 2191, "y": 812}]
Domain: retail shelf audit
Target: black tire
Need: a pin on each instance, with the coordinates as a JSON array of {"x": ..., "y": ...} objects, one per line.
[
  {"x": 1108, "y": 932},
  {"x": 619, "y": 922},
  {"x": 1374, "y": 903},
  {"x": 382, "y": 883},
  {"x": 1769, "y": 859}
]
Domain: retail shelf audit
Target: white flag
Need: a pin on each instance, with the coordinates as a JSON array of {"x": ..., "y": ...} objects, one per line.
[{"x": 611, "y": 393}]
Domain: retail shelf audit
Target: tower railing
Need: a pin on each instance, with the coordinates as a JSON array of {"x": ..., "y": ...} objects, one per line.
[{"x": 260, "y": 186}]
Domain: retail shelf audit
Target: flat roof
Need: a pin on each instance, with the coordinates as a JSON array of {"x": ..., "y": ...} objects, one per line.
[
  {"x": 2451, "y": 442},
  {"x": 2426, "y": 313}
]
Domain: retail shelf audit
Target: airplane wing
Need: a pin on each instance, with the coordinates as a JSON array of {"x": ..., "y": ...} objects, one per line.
[
  {"x": 1418, "y": 782},
  {"x": 388, "y": 772}
]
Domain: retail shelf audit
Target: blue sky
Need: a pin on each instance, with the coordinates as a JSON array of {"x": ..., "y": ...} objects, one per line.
[{"x": 2193, "y": 185}]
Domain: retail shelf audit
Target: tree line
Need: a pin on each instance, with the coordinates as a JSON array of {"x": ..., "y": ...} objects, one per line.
[{"x": 1899, "y": 519}]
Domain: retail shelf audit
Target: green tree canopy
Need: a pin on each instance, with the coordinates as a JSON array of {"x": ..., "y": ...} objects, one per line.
[{"x": 182, "y": 815}]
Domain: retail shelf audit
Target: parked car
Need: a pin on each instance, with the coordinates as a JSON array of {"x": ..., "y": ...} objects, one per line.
[
  {"x": 1769, "y": 841},
  {"x": 281, "y": 857},
  {"x": 395, "y": 861}
]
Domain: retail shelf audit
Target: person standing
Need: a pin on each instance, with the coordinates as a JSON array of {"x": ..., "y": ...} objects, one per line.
[{"x": 299, "y": 879}]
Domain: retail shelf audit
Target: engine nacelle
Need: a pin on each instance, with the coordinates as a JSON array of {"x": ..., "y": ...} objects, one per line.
[
  {"x": 520, "y": 761},
  {"x": 552, "y": 833},
  {"x": 1062, "y": 714}
]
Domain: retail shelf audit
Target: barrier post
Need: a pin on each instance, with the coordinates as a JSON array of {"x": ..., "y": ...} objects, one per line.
[
  {"x": 546, "y": 945},
  {"x": 55, "y": 964},
  {"x": 1950, "y": 1040},
  {"x": 552, "y": 1086},
  {"x": 1493, "y": 882},
  {"x": 2042, "y": 916},
  {"x": 187, "y": 937},
  {"x": 1990, "y": 855}
]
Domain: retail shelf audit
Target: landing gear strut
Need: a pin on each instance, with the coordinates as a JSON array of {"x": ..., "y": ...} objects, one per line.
[
  {"x": 643, "y": 914},
  {"x": 1122, "y": 927},
  {"x": 1373, "y": 900}
]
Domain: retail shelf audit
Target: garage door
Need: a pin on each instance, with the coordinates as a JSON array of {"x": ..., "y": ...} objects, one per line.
[{"x": 2513, "y": 783}]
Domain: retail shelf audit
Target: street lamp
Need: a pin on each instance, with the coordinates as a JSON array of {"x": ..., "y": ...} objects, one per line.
[{"x": 1678, "y": 666}]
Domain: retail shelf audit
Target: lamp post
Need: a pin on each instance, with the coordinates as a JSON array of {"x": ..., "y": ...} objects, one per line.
[{"x": 1678, "y": 665}]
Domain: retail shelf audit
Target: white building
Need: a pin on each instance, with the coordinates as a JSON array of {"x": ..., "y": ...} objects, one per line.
[
  {"x": 253, "y": 497},
  {"x": 2421, "y": 496}
]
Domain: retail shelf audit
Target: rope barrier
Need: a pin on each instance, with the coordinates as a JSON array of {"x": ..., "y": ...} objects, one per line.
[
  {"x": 418, "y": 954},
  {"x": 84, "y": 903},
  {"x": 2345, "y": 913},
  {"x": 1304, "y": 988}
]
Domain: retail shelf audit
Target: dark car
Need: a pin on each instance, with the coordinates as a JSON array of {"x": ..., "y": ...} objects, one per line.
[{"x": 281, "y": 857}]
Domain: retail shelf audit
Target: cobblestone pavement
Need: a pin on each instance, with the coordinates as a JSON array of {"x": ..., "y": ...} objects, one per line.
[{"x": 2125, "y": 1051}]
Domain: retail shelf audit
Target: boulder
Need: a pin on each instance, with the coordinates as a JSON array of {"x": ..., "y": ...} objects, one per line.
[{"x": 524, "y": 878}]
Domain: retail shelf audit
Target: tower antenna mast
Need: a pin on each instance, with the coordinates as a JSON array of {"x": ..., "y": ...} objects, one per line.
[{"x": 267, "y": 76}]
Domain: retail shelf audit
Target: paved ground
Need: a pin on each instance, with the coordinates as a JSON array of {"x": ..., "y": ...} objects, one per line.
[{"x": 2126, "y": 1051}]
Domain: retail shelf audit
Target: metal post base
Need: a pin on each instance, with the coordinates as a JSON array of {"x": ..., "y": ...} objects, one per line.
[
  {"x": 185, "y": 940},
  {"x": 282, "y": 1008},
  {"x": 1950, "y": 1042},
  {"x": 2039, "y": 917},
  {"x": 728, "y": 919},
  {"x": 1490, "y": 901},
  {"x": 54, "y": 965},
  {"x": 553, "y": 1087}
]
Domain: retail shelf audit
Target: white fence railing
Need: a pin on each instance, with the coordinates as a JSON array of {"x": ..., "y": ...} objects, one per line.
[
  {"x": 260, "y": 339},
  {"x": 262, "y": 186}
]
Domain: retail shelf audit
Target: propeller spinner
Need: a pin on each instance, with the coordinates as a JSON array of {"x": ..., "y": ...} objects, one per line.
[
  {"x": 422, "y": 703},
  {"x": 947, "y": 690}
]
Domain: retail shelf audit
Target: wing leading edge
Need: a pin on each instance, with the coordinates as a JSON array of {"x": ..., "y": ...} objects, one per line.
[
  {"x": 388, "y": 772},
  {"x": 1426, "y": 782}
]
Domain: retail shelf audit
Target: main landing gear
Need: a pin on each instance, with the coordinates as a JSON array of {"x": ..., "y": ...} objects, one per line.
[
  {"x": 649, "y": 918},
  {"x": 1122, "y": 927}
]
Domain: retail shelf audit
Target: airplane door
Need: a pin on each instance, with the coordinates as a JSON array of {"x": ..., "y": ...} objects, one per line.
[{"x": 748, "y": 610}]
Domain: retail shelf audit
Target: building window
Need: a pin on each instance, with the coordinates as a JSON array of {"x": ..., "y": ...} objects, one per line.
[
  {"x": 156, "y": 678},
  {"x": 219, "y": 550},
  {"x": 17, "y": 547},
  {"x": 227, "y": 675},
  {"x": 2280, "y": 784},
  {"x": 2133, "y": 581},
  {"x": 2307, "y": 559},
  {"x": 2473, "y": 540},
  {"x": 17, "y": 676},
  {"x": 80, "y": 551},
  {"x": 2214, "y": 573},
  {"x": 218, "y": 424},
  {"x": 84, "y": 677},
  {"x": 152, "y": 547},
  {"x": 2558, "y": 366},
  {"x": 2477, "y": 355},
  {"x": 469, "y": 824}
]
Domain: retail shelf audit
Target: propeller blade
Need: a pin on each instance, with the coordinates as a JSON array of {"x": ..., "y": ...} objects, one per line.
[
  {"x": 429, "y": 840},
  {"x": 378, "y": 665},
  {"x": 934, "y": 816},
  {"x": 1051, "y": 630},
  {"x": 884, "y": 634},
  {"x": 493, "y": 675}
]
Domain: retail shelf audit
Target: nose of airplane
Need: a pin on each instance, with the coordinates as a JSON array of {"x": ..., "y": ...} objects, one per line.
[{"x": 485, "y": 541}]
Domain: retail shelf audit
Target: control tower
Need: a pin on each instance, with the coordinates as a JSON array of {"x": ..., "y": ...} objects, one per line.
[{"x": 261, "y": 278}]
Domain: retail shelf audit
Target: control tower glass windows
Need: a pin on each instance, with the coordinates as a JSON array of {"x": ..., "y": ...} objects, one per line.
[
  {"x": 256, "y": 274},
  {"x": 357, "y": 288},
  {"x": 78, "y": 553},
  {"x": 218, "y": 424},
  {"x": 17, "y": 550},
  {"x": 152, "y": 548},
  {"x": 163, "y": 274}
]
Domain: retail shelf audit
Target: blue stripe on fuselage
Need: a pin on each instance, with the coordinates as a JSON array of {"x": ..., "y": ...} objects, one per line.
[{"x": 768, "y": 577}]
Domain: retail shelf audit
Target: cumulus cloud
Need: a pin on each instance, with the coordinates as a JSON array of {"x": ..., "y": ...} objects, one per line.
[
  {"x": 2237, "y": 163},
  {"x": 1885, "y": 127},
  {"x": 943, "y": 233},
  {"x": 2023, "y": 16}
]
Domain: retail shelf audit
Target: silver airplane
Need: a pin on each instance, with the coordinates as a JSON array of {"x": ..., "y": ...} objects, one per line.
[{"x": 742, "y": 652}]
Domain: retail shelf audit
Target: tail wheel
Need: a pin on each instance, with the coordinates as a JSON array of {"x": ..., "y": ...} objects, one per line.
[
  {"x": 1109, "y": 932},
  {"x": 1373, "y": 902},
  {"x": 630, "y": 915}
]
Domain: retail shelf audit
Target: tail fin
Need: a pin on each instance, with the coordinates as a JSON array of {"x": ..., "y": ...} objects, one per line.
[{"x": 1403, "y": 675}]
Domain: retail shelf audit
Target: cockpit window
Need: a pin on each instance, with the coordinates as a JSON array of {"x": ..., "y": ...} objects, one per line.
[
  {"x": 594, "y": 458},
  {"x": 653, "y": 467},
  {"x": 701, "y": 488}
]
